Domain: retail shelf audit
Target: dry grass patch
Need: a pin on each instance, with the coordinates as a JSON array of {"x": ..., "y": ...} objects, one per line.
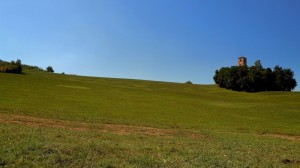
[{"x": 101, "y": 127}]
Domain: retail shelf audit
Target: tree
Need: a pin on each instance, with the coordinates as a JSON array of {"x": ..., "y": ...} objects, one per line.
[
  {"x": 258, "y": 65},
  {"x": 18, "y": 62},
  {"x": 243, "y": 79},
  {"x": 19, "y": 65},
  {"x": 284, "y": 80},
  {"x": 50, "y": 69}
]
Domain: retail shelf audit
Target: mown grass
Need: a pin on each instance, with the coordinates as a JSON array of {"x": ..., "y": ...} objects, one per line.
[{"x": 230, "y": 121}]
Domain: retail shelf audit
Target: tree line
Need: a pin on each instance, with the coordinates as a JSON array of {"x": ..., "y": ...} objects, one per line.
[
  {"x": 17, "y": 67},
  {"x": 11, "y": 67},
  {"x": 255, "y": 78}
]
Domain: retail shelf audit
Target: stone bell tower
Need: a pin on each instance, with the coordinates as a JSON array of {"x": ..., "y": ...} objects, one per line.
[{"x": 242, "y": 61}]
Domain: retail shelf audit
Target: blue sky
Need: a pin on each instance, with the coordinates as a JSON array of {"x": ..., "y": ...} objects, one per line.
[{"x": 166, "y": 40}]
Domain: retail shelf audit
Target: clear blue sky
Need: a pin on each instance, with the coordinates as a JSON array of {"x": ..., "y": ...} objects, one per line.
[{"x": 167, "y": 40}]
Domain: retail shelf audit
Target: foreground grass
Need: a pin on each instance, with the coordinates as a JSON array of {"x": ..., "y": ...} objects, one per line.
[
  {"x": 234, "y": 127},
  {"x": 40, "y": 147}
]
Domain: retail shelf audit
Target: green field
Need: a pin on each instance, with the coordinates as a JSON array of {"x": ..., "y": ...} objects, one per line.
[{"x": 55, "y": 120}]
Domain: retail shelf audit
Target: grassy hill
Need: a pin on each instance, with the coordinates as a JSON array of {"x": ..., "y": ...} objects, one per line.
[{"x": 66, "y": 120}]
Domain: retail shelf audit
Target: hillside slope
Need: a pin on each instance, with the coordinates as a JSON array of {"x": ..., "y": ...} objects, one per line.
[
  {"x": 148, "y": 103},
  {"x": 54, "y": 120}
]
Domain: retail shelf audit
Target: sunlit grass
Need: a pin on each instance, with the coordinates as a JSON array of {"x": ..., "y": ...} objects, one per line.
[{"x": 233, "y": 124}]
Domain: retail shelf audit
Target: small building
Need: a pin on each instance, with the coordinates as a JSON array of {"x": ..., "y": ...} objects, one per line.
[{"x": 242, "y": 61}]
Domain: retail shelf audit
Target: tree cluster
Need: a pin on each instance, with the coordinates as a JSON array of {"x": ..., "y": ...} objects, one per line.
[
  {"x": 255, "y": 78},
  {"x": 17, "y": 67},
  {"x": 11, "y": 67}
]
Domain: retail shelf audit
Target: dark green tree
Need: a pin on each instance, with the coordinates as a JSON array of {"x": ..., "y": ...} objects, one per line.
[
  {"x": 19, "y": 65},
  {"x": 284, "y": 80},
  {"x": 50, "y": 69}
]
